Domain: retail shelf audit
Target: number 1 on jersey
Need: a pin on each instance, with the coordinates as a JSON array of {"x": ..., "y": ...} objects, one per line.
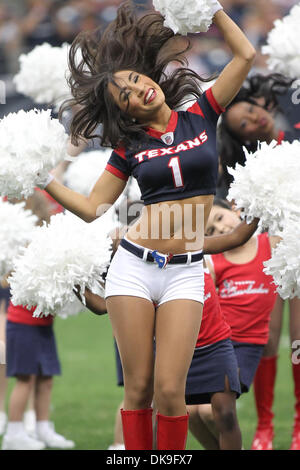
[{"x": 174, "y": 164}]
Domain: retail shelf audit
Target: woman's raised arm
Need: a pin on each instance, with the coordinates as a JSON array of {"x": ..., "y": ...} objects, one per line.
[{"x": 233, "y": 75}]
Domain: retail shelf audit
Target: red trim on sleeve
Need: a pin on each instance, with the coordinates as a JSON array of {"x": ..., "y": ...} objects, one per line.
[
  {"x": 297, "y": 126},
  {"x": 121, "y": 152},
  {"x": 214, "y": 104},
  {"x": 116, "y": 172},
  {"x": 195, "y": 109},
  {"x": 280, "y": 137}
]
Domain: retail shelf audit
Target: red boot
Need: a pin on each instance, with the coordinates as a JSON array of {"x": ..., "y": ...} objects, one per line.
[
  {"x": 137, "y": 429},
  {"x": 172, "y": 432},
  {"x": 263, "y": 439},
  {"x": 264, "y": 383},
  {"x": 296, "y": 432}
]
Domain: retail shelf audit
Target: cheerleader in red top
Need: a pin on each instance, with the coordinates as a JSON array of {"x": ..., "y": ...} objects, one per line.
[
  {"x": 247, "y": 296},
  {"x": 213, "y": 379},
  {"x": 267, "y": 108},
  {"x": 32, "y": 359},
  {"x": 212, "y": 383}
]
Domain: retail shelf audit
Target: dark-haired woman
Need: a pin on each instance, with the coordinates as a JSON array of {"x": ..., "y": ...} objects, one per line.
[
  {"x": 266, "y": 108},
  {"x": 120, "y": 83}
]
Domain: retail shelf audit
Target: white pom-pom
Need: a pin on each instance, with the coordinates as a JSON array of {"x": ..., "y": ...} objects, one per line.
[
  {"x": 268, "y": 185},
  {"x": 66, "y": 253},
  {"x": 284, "y": 264},
  {"x": 133, "y": 190},
  {"x": 31, "y": 144},
  {"x": 283, "y": 45},
  {"x": 16, "y": 230},
  {"x": 43, "y": 74},
  {"x": 187, "y": 16},
  {"x": 84, "y": 171},
  {"x": 72, "y": 308}
]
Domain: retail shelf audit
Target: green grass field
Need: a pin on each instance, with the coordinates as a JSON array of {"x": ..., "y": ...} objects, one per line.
[{"x": 85, "y": 397}]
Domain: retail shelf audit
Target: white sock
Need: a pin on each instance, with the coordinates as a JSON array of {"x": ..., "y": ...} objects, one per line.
[
  {"x": 15, "y": 427},
  {"x": 42, "y": 427}
]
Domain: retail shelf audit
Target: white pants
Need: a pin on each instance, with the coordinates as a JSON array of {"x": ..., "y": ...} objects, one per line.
[{"x": 130, "y": 275}]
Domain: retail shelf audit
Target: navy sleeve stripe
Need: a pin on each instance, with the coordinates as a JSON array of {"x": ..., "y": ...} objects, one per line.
[
  {"x": 116, "y": 172},
  {"x": 212, "y": 101}
]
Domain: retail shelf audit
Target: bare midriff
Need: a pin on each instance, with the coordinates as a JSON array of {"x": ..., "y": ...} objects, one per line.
[{"x": 172, "y": 226}]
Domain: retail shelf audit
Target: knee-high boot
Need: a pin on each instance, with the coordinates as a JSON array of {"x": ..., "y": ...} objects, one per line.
[
  {"x": 137, "y": 429},
  {"x": 264, "y": 383},
  {"x": 172, "y": 432}
]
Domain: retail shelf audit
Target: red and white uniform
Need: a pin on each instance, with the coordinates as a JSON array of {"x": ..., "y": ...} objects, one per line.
[
  {"x": 246, "y": 294},
  {"x": 213, "y": 326},
  {"x": 20, "y": 314}
]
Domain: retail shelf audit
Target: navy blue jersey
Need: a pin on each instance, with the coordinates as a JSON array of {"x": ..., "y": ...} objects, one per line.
[
  {"x": 179, "y": 163},
  {"x": 289, "y": 104}
]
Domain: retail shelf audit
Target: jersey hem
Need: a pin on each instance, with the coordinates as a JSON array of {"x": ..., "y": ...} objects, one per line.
[{"x": 177, "y": 197}]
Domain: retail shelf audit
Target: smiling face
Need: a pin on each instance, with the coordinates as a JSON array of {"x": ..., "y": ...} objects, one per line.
[
  {"x": 250, "y": 122},
  {"x": 137, "y": 95},
  {"x": 221, "y": 221}
]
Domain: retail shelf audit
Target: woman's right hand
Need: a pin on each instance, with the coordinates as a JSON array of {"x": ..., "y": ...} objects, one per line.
[{"x": 93, "y": 302}]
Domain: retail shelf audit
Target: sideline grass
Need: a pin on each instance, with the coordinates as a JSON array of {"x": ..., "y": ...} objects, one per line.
[{"x": 85, "y": 397}]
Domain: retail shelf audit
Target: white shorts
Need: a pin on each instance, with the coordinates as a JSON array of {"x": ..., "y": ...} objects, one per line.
[{"x": 130, "y": 275}]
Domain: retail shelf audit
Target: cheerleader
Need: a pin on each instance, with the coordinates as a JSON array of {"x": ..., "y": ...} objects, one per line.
[
  {"x": 120, "y": 82},
  {"x": 33, "y": 360},
  {"x": 262, "y": 111},
  {"x": 265, "y": 109},
  {"x": 247, "y": 296}
]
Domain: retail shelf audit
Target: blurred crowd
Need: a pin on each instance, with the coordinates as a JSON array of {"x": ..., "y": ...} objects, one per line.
[{"x": 27, "y": 23}]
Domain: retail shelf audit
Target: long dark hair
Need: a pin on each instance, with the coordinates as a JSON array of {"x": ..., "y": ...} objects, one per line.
[
  {"x": 141, "y": 44},
  {"x": 230, "y": 146}
]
